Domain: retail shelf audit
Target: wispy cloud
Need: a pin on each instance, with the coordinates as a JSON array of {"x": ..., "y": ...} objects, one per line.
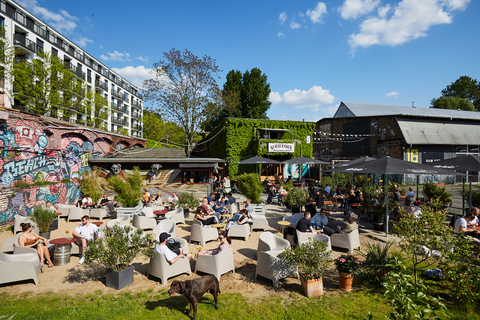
[
  {"x": 317, "y": 13},
  {"x": 295, "y": 25},
  {"x": 353, "y": 9},
  {"x": 281, "y": 34},
  {"x": 312, "y": 98},
  {"x": 62, "y": 22},
  {"x": 82, "y": 41},
  {"x": 144, "y": 59},
  {"x": 136, "y": 75},
  {"x": 282, "y": 17},
  {"x": 392, "y": 94},
  {"x": 404, "y": 22},
  {"x": 116, "y": 56}
]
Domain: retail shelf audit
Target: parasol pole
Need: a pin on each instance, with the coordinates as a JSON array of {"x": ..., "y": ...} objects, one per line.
[{"x": 387, "y": 199}]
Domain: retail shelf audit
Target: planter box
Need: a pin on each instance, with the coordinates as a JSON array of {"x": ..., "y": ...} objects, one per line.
[
  {"x": 129, "y": 211},
  {"x": 312, "y": 288},
  {"x": 120, "y": 279}
]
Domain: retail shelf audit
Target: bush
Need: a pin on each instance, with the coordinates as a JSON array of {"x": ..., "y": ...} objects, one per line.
[
  {"x": 297, "y": 197},
  {"x": 432, "y": 191},
  {"x": 187, "y": 201},
  {"x": 310, "y": 258},
  {"x": 128, "y": 192},
  {"x": 378, "y": 261},
  {"x": 43, "y": 218},
  {"x": 90, "y": 184},
  {"x": 250, "y": 186}
]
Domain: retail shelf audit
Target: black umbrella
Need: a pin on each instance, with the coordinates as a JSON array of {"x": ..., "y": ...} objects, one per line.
[
  {"x": 304, "y": 160},
  {"x": 258, "y": 160},
  {"x": 462, "y": 163},
  {"x": 388, "y": 166},
  {"x": 355, "y": 161}
]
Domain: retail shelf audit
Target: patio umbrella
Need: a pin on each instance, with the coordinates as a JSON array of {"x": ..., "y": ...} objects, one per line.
[
  {"x": 388, "y": 166},
  {"x": 355, "y": 161},
  {"x": 304, "y": 160},
  {"x": 259, "y": 160},
  {"x": 462, "y": 163}
]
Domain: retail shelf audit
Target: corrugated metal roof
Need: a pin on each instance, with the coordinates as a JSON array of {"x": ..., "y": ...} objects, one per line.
[
  {"x": 154, "y": 160},
  {"x": 419, "y": 132},
  {"x": 357, "y": 109},
  {"x": 149, "y": 153}
]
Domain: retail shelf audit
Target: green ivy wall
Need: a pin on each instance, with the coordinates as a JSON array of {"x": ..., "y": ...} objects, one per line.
[{"x": 238, "y": 139}]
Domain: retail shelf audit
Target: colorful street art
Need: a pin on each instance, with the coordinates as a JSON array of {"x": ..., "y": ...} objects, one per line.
[{"x": 30, "y": 154}]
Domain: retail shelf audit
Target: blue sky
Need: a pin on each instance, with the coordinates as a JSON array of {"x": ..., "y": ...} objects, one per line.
[{"x": 315, "y": 54}]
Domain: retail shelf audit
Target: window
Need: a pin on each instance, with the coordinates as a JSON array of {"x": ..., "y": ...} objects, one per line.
[
  {"x": 39, "y": 45},
  {"x": 54, "y": 52}
]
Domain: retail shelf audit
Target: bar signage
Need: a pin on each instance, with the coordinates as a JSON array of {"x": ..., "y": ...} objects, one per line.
[{"x": 281, "y": 147}]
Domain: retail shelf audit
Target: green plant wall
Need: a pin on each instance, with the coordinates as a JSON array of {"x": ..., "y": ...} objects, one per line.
[{"x": 238, "y": 139}]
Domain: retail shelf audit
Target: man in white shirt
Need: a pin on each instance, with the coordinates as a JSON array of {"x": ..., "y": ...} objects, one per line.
[
  {"x": 84, "y": 233},
  {"x": 410, "y": 194},
  {"x": 461, "y": 224},
  {"x": 87, "y": 201},
  {"x": 161, "y": 247},
  {"x": 327, "y": 189},
  {"x": 173, "y": 198}
]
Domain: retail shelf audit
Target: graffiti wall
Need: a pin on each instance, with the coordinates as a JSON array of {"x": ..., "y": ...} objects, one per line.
[{"x": 33, "y": 151}]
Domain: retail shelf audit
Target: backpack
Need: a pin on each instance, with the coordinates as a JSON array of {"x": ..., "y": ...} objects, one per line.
[{"x": 173, "y": 245}]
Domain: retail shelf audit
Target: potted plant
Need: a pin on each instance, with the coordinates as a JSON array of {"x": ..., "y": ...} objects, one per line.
[
  {"x": 378, "y": 261},
  {"x": 296, "y": 198},
  {"x": 43, "y": 218},
  {"x": 311, "y": 259},
  {"x": 115, "y": 250},
  {"x": 250, "y": 186},
  {"x": 187, "y": 201},
  {"x": 347, "y": 265},
  {"x": 128, "y": 192}
]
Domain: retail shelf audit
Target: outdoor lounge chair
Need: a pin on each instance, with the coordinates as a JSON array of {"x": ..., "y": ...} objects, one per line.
[
  {"x": 259, "y": 222},
  {"x": 77, "y": 213},
  {"x": 64, "y": 209},
  {"x": 321, "y": 237},
  {"x": 267, "y": 241},
  {"x": 240, "y": 230},
  {"x": 270, "y": 266},
  {"x": 167, "y": 225},
  {"x": 120, "y": 222},
  {"x": 99, "y": 213},
  {"x": 202, "y": 234},
  {"x": 349, "y": 241},
  {"x": 21, "y": 219},
  {"x": 303, "y": 236},
  {"x": 159, "y": 266},
  {"x": 18, "y": 267},
  {"x": 217, "y": 265},
  {"x": 145, "y": 220},
  {"x": 176, "y": 215}
]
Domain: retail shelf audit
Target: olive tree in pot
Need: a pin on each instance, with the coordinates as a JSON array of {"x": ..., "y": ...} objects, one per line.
[
  {"x": 296, "y": 198},
  {"x": 311, "y": 259},
  {"x": 187, "y": 201},
  {"x": 128, "y": 192},
  {"x": 43, "y": 218},
  {"x": 115, "y": 250}
]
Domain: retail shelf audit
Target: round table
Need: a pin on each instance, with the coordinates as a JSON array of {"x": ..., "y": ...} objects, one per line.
[
  {"x": 217, "y": 225},
  {"x": 63, "y": 248},
  {"x": 97, "y": 223},
  {"x": 160, "y": 214},
  {"x": 282, "y": 224}
]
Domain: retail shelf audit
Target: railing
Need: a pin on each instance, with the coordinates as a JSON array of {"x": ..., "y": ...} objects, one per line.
[
  {"x": 137, "y": 115},
  {"x": 24, "y": 42},
  {"x": 119, "y": 120},
  {"x": 101, "y": 85}
]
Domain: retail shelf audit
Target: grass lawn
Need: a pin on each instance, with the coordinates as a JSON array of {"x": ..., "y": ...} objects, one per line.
[{"x": 159, "y": 305}]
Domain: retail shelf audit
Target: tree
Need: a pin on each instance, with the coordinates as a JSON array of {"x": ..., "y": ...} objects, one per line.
[
  {"x": 184, "y": 88},
  {"x": 155, "y": 129},
  {"x": 464, "y": 87},
  {"x": 453, "y": 103},
  {"x": 243, "y": 96}
]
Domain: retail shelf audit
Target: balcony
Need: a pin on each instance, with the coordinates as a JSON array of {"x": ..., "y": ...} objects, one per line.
[
  {"x": 119, "y": 121},
  {"x": 118, "y": 95},
  {"x": 137, "y": 126},
  {"x": 100, "y": 85},
  {"x": 137, "y": 115},
  {"x": 70, "y": 66},
  {"x": 23, "y": 44},
  {"x": 80, "y": 74}
]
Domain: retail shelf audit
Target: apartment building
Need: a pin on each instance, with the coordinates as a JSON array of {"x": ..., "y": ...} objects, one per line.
[{"x": 29, "y": 35}]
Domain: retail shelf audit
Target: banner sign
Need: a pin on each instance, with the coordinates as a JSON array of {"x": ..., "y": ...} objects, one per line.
[{"x": 281, "y": 147}]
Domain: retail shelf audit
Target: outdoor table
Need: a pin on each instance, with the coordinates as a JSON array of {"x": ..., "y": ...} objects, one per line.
[
  {"x": 63, "y": 247},
  {"x": 217, "y": 225},
  {"x": 97, "y": 223},
  {"x": 160, "y": 214},
  {"x": 226, "y": 216},
  {"x": 282, "y": 224}
]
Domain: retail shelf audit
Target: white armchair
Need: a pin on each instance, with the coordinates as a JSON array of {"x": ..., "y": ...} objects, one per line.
[
  {"x": 259, "y": 222},
  {"x": 176, "y": 215},
  {"x": 240, "y": 230},
  {"x": 270, "y": 266},
  {"x": 321, "y": 237},
  {"x": 77, "y": 213},
  {"x": 18, "y": 267},
  {"x": 217, "y": 264},
  {"x": 21, "y": 219},
  {"x": 202, "y": 234},
  {"x": 267, "y": 241},
  {"x": 120, "y": 222},
  {"x": 304, "y": 236},
  {"x": 159, "y": 266},
  {"x": 99, "y": 213},
  {"x": 349, "y": 241},
  {"x": 166, "y": 225},
  {"x": 64, "y": 209}
]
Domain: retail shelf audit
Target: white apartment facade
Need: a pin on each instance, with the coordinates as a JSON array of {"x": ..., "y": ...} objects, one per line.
[{"x": 28, "y": 34}]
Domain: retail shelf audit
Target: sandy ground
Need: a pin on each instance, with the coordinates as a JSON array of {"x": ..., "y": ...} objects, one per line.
[{"x": 74, "y": 277}]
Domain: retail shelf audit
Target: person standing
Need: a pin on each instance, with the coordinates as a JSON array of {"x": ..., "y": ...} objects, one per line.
[{"x": 226, "y": 185}]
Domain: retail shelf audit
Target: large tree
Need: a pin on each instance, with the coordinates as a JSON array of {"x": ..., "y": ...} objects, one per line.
[
  {"x": 465, "y": 88},
  {"x": 155, "y": 129},
  {"x": 454, "y": 103},
  {"x": 243, "y": 96},
  {"x": 184, "y": 90}
]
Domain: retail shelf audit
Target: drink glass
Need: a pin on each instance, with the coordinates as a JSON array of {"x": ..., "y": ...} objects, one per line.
[{"x": 67, "y": 231}]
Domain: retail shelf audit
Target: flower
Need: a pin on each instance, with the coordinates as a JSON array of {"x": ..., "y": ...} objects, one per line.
[{"x": 347, "y": 263}]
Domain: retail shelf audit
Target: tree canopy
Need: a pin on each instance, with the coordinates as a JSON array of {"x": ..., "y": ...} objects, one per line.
[
  {"x": 155, "y": 129},
  {"x": 463, "y": 88},
  {"x": 184, "y": 90},
  {"x": 243, "y": 96}
]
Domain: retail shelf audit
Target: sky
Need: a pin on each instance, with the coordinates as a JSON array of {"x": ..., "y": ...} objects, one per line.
[{"x": 314, "y": 54}]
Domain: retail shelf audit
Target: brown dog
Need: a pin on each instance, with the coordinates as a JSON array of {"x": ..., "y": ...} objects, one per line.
[{"x": 195, "y": 289}]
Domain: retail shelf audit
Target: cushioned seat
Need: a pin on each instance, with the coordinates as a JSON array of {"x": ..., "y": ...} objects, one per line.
[
  {"x": 217, "y": 265},
  {"x": 349, "y": 241},
  {"x": 159, "y": 266},
  {"x": 267, "y": 241},
  {"x": 270, "y": 266}
]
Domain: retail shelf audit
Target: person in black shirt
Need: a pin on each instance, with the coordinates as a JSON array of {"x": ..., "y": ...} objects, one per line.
[{"x": 303, "y": 225}]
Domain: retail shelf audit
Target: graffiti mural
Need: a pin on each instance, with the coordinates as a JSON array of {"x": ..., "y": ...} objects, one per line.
[{"x": 29, "y": 155}]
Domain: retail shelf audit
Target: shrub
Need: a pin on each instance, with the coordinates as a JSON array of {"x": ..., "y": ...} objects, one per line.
[
  {"x": 250, "y": 186},
  {"x": 378, "y": 261},
  {"x": 311, "y": 258},
  {"x": 90, "y": 184},
  {"x": 187, "y": 201},
  {"x": 43, "y": 218},
  {"x": 296, "y": 197},
  {"x": 128, "y": 192},
  {"x": 432, "y": 191}
]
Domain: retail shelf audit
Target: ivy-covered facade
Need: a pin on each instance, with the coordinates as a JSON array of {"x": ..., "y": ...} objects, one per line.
[{"x": 238, "y": 139}]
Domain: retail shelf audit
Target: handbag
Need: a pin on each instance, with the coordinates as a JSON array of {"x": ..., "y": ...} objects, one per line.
[{"x": 173, "y": 245}]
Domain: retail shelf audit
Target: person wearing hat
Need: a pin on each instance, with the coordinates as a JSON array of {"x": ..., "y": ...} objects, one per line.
[
  {"x": 161, "y": 247},
  {"x": 338, "y": 225}
]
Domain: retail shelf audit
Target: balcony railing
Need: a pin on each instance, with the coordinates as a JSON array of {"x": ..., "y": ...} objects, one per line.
[
  {"x": 22, "y": 41},
  {"x": 101, "y": 85},
  {"x": 120, "y": 121},
  {"x": 137, "y": 115}
]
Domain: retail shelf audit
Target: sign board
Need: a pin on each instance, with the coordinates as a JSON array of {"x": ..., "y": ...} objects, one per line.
[
  {"x": 308, "y": 139},
  {"x": 281, "y": 147},
  {"x": 412, "y": 155}
]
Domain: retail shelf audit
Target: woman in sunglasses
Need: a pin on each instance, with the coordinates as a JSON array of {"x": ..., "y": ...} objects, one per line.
[{"x": 224, "y": 244}]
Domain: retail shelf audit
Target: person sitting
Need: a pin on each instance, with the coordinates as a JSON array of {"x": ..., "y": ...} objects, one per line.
[
  {"x": 30, "y": 239},
  {"x": 327, "y": 189},
  {"x": 211, "y": 197},
  {"x": 173, "y": 199},
  {"x": 461, "y": 224},
  {"x": 219, "y": 207},
  {"x": 303, "y": 225},
  {"x": 145, "y": 197},
  {"x": 49, "y": 207},
  {"x": 158, "y": 199},
  {"x": 87, "y": 202},
  {"x": 338, "y": 225},
  {"x": 319, "y": 221},
  {"x": 204, "y": 218},
  {"x": 474, "y": 223},
  {"x": 282, "y": 193},
  {"x": 310, "y": 207},
  {"x": 84, "y": 233},
  {"x": 225, "y": 242},
  {"x": 231, "y": 198},
  {"x": 395, "y": 194},
  {"x": 410, "y": 194},
  {"x": 172, "y": 257},
  {"x": 241, "y": 220},
  {"x": 104, "y": 202},
  {"x": 271, "y": 194},
  {"x": 266, "y": 183}
]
